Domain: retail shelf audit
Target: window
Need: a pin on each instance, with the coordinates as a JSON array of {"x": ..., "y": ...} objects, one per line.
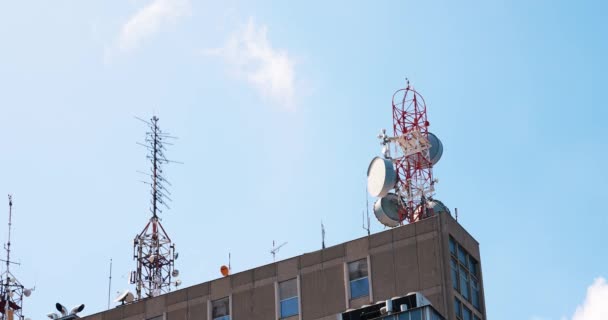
[
  {"x": 464, "y": 283},
  {"x": 475, "y": 292},
  {"x": 465, "y": 272},
  {"x": 473, "y": 266},
  {"x": 454, "y": 269},
  {"x": 457, "y": 308},
  {"x": 359, "y": 281},
  {"x": 416, "y": 314},
  {"x": 466, "y": 313},
  {"x": 452, "y": 246},
  {"x": 476, "y": 317},
  {"x": 288, "y": 298},
  {"x": 462, "y": 255},
  {"x": 220, "y": 309}
]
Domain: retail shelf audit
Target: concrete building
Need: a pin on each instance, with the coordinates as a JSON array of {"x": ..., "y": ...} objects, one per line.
[{"x": 435, "y": 257}]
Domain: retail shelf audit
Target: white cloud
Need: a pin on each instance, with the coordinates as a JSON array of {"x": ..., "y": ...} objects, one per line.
[
  {"x": 148, "y": 21},
  {"x": 595, "y": 306},
  {"x": 252, "y": 57}
]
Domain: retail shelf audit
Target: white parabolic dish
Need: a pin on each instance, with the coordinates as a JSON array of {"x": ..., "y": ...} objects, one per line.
[
  {"x": 386, "y": 210},
  {"x": 381, "y": 177}
]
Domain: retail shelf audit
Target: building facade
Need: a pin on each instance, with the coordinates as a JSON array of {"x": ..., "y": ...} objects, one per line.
[{"x": 435, "y": 257}]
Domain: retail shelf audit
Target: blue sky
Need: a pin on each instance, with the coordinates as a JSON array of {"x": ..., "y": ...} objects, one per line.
[{"x": 277, "y": 105}]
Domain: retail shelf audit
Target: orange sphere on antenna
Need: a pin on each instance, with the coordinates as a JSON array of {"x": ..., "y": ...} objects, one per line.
[{"x": 225, "y": 271}]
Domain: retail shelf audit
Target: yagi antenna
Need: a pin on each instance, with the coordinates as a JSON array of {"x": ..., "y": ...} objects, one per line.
[
  {"x": 153, "y": 249},
  {"x": 276, "y": 249}
]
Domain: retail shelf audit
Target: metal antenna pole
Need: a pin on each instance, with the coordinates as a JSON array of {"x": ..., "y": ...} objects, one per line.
[
  {"x": 8, "y": 244},
  {"x": 322, "y": 235},
  {"x": 110, "y": 283}
]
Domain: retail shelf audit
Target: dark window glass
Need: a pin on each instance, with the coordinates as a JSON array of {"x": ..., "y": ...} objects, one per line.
[
  {"x": 452, "y": 246},
  {"x": 288, "y": 289},
  {"x": 454, "y": 271},
  {"x": 457, "y": 308},
  {"x": 357, "y": 269},
  {"x": 220, "y": 309},
  {"x": 359, "y": 288},
  {"x": 416, "y": 314},
  {"x": 357, "y": 275},
  {"x": 476, "y": 317},
  {"x": 289, "y": 307},
  {"x": 288, "y": 297},
  {"x": 473, "y": 266},
  {"x": 462, "y": 255},
  {"x": 464, "y": 283},
  {"x": 475, "y": 293},
  {"x": 466, "y": 313}
]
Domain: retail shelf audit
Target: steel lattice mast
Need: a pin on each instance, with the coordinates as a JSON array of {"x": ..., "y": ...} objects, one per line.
[
  {"x": 153, "y": 249},
  {"x": 415, "y": 184},
  {"x": 12, "y": 291}
]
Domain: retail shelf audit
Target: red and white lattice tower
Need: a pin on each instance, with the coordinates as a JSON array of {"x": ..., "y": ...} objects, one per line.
[
  {"x": 415, "y": 184},
  {"x": 153, "y": 249}
]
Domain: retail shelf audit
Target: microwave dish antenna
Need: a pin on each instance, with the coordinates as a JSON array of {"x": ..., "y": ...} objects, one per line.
[{"x": 403, "y": 178}]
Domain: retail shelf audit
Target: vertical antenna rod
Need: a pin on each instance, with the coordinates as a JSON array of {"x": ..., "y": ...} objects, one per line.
[
  {"x": 11, "y": 290},
  {"x": 366, "y": 227},
  {"x": 322, "y": 235},
  {"x": 8, "y": 244},
  {"x": 110, "y": 283}
]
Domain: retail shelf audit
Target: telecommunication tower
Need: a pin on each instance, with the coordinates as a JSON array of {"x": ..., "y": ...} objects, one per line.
[
  {"x": 12, "y": 291},
  {"x": 407, "y": 164},
  {"x": 153, "y": 249}
]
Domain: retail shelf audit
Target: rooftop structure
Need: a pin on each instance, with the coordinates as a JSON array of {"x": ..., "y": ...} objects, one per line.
[{"x": 435, "y": 256}]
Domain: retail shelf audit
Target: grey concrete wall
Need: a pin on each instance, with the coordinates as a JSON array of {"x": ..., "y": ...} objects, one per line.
[{"x": 401, "y": 260}]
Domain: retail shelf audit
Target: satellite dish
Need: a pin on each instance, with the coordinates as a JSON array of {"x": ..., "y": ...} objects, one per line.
[
  {"x": 178, "y": 283},
  {"x": 381, "y": 177},
  {"x": 52, "y": 315},
  {"x": 175, "y": 273},
  {"x": 27, "y": 292},
  {"x": 386, "y": 210},
  {"x": 433, "y": 207},
  {"x": 225, "y": 271},
  {"x": 436, "y": 149},
  {"x": 77, "y": 309},
  {"x": 61, "y": 308},
  {"x": 125, "y": 297}
]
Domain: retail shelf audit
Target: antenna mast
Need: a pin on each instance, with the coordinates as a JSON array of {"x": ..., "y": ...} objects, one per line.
[
  {"x": 407, "y": 164},
  {"x": 322, "y": 235},
  {"x": 11, "y": 291},
  {"x": 276, "y": 249},
  {"x": 152, "y": 248}
]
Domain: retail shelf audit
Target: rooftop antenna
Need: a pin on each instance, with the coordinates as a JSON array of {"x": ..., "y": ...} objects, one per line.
[
  {"x": 11, "y": 290},
  {"x": 403, "y": 178},
  {"x": 322, "y": 235},
  {"x": 275, "y": 249},
  {"x": 152, "y": 247},
  {"x": 365, "y": 214},
  {"x": 110, "y": 283}
]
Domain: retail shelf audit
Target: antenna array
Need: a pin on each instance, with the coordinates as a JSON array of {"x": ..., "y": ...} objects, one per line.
[
  {"x": 11, "y": 290},
  {"x": 152, "y": 247},
  {"x": 408, "y": 167}
]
